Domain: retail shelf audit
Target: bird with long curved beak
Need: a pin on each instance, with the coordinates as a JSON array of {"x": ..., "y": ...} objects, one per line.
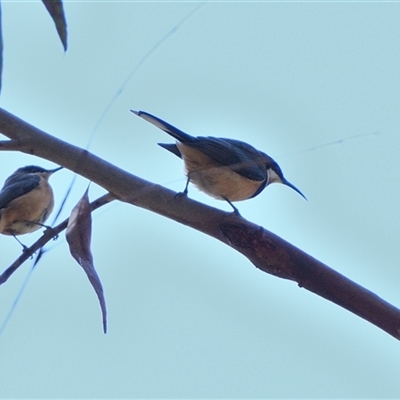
[
  {"x": 225, "y": 169},
  {"x": 26, "y": 200}
]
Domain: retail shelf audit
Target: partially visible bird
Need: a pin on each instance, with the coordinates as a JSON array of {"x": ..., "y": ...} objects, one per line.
[
  {"x": 26, "y": 200},
  {"x": 225, "y": 169}
]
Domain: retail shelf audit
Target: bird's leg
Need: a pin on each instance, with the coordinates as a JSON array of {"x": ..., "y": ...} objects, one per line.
[
  {"x": 38, "y": 223},
  {"x": 24, "y": 248},
  {"x": 48, "y": 227},
  {"x": 185, "y": 191},
  {"x": 235, "y": 210}
]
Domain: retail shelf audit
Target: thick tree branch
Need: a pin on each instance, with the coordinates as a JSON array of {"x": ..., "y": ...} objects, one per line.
[
  {"x": 11, "y": 145},
  {"x": 265, "y": 250}
]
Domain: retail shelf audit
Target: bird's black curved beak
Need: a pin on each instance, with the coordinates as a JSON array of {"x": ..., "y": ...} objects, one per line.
[{"x": 287, "y": 183}]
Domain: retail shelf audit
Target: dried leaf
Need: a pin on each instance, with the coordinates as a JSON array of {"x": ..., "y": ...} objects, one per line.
[
  {"x": 56, "y": 11},
  {"x": 79, "y": 234}
]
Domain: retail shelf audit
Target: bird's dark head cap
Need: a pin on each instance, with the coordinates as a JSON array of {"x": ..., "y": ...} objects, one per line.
[{"x": 34, "y": 169}]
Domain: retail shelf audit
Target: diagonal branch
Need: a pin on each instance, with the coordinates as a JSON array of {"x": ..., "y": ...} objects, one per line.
[
  {"x": 11, "y": 145},
  {"x": 265, "y": 250}
]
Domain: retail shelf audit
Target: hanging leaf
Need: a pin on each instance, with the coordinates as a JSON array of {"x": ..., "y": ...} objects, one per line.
[
  {"x": 56, "y": 11},
  {"x": 79, "y": 234}
]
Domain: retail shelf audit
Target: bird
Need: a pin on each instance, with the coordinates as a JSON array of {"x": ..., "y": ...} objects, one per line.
[
  {"x": 226, "y": 169},
  {"x": 26, "y": 201}
]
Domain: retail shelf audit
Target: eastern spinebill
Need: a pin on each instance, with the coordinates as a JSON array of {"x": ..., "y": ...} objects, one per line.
[
  {"x": 225, "y": 169},
  {"x": 26, "y": 200}
]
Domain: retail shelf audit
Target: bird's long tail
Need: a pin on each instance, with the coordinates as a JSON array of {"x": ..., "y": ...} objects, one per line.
[{"x": 165, "y": 126}]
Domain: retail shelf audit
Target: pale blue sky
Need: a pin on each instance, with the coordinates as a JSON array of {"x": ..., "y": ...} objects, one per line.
[{"x": 189, "y": 317}]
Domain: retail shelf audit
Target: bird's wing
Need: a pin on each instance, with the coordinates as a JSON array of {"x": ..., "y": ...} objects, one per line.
[
  {"x": 165, "y": 126},
  {"x": 16, "y": 186},
  {"x": 233, "y": 153},
  {"x": 240, "y": 156}
]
